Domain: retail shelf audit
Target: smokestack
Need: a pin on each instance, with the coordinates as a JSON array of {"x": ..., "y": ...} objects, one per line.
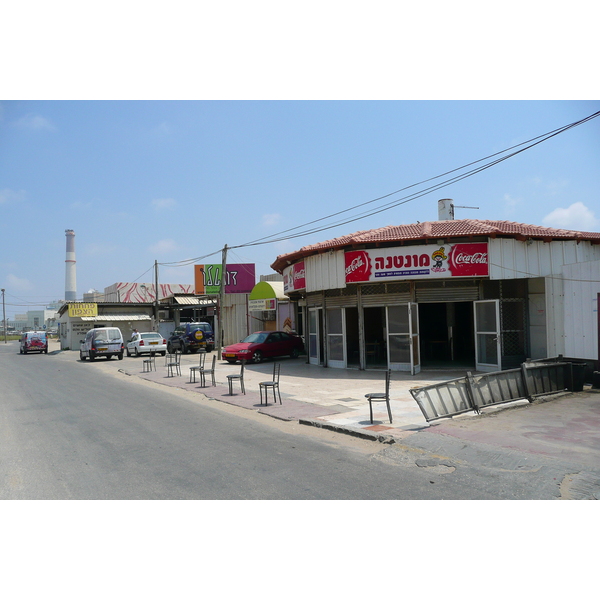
[
  {"x": 445, "y": 210},
  {"x": 70, "y": 273}
]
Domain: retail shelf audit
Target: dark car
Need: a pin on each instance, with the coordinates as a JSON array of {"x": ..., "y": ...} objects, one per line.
[
  {"x": 264, "y": 344},
  {"x": 190, "y": 337}
]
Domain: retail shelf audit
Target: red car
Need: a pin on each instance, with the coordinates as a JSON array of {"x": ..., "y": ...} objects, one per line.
[{"x": 264, "y": 344}]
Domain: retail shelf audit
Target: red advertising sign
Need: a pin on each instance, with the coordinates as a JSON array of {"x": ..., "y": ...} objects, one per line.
[
  {"x": 417, "y": 262},
  {"x": 294, "y": 278}
]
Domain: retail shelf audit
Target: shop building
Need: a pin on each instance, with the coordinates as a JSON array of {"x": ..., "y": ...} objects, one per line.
[{"x": 470, "y": 294}]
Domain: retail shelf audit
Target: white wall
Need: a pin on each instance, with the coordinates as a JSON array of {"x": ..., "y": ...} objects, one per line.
[{"x": 581, "y": 289}]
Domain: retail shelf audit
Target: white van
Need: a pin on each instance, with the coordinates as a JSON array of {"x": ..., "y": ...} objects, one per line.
[{"x": 102, "y": 341}]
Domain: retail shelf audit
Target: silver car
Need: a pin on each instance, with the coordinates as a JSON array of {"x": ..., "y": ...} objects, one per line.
[{"x": 145, "y": 343}]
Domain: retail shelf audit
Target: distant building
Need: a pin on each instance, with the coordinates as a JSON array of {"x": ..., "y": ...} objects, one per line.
[{"x": 144, "y": 292}]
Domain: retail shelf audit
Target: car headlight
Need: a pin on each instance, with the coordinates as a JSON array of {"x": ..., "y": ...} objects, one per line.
[{"x": 244, "y": 351}]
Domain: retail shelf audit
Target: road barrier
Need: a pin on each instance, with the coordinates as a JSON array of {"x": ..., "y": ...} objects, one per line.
[{"x": 475, "y": 392}]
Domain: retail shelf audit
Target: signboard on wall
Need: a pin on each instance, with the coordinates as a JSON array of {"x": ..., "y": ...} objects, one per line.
[
  {"x": 294, "y": 278},
  {"x": 262, "y": 304},
  {"x": 239, "y": 279},
  {"x": 417, "y": 262},
  {"x": 83, "y": 309}
]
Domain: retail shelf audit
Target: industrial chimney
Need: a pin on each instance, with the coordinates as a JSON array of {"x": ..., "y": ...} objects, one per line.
[{"x": 70, "y": 273}]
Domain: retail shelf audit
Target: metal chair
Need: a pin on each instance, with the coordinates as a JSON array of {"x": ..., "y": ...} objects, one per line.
[
  {"x": 199, "y": 366},
  {"x": 271, "y": 384},
  {"x": 211, "y": 372},
  {"x": 174, "y": 364},
  {"x": 232, "y": 378},
  {"x": 381, "y": 397},
  {"x": 149, "y": 364}
]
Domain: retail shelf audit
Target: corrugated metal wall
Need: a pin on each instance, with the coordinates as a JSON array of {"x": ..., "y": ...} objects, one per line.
[
  {"x": 514, "y": 259},
  {"x": 581, "y": 289},
  {"x": 325, "y": 271}
]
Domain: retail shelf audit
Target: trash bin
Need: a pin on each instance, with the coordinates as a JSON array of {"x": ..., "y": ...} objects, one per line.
[
  {"x": 596, "y": 380},
  {"x": 578, "y": 375}
]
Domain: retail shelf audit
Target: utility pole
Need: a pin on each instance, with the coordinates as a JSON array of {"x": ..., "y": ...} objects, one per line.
[
  {"x": 156, "y": 321},
  {"x": 221, "y": 332},
  {"x": 3, "y": 316}
]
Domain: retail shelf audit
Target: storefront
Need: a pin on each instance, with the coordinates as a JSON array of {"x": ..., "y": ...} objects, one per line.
[
  {"x": 475, "y": 295},
  {"x": 269, "y": 308}
]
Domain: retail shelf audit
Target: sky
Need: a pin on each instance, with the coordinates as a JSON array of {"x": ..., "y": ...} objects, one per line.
[
  {"x": 168, "y": 147},
  {"x": 168, "y": 181}
]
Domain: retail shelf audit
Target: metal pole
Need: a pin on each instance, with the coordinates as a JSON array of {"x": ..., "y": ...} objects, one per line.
[
  {"x": 156, "y": 320},
  {"x": 220, "y": 332},
  {"x": 4, "y": 315}
]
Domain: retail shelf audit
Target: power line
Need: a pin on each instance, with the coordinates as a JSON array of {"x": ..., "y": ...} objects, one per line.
[{"x": 532, "y": 142}]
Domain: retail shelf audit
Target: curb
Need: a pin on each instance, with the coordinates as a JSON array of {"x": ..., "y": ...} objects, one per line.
[{"x": 374, "y": 437}]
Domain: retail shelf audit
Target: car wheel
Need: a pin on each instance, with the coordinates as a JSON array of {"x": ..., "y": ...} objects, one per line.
[
  {"x": 81, "y": 356},
  {"x": 120, "y": 356},
  {"x": 169, "y": 349},
  {"x": 46, "y": 351},
  {"x": 258, "y": 357},
  {"x": 295, "y": 353},
  {"x": 184, "y": 349}
]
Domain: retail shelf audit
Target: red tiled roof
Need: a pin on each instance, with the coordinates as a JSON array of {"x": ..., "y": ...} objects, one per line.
[{"x": 436, "y": 229}]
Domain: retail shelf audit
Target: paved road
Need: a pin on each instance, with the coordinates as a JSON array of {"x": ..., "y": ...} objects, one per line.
[{"x": 81, "y": 430}]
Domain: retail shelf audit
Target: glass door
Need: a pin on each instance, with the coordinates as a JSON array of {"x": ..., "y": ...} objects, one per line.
[
  {"x": 415, "y": 351},
  {"x": 399, "y": 337},
  {"x": 314, "y": 336},
  {"x": 336, "y": 349},
  {"x": 487, "y": 335}
]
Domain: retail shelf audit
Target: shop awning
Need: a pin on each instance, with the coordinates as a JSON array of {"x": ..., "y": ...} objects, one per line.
[
  {"x": 265, "y": 295},
  {"x": 132, "y": 317}
]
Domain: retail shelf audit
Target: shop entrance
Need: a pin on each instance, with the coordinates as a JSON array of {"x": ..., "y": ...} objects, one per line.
[{"x": 447, "y": 334}]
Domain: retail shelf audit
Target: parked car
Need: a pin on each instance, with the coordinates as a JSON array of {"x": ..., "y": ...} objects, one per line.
[
  {"x": 102, "y": 341},
  {"x": 34, "y": 341},
  {"x": 190, "y": 337},
  {"x": 264, "y": 344},
  {"x": 146, "y": 342}
]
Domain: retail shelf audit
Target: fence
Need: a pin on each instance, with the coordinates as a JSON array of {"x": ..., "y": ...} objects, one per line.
[{"x": 475, "y": 392}]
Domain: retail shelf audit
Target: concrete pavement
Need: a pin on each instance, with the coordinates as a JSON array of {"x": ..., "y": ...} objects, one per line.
[
  {"x": 552, "y": 444},
  {"x": 333, "y": 398}
]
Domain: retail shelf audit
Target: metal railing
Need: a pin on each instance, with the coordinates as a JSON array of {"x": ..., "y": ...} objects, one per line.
[{"x": 475, "y": 392}]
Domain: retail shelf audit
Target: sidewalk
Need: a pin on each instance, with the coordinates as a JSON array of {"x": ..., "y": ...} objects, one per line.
[{"x": 312, "y": 395}]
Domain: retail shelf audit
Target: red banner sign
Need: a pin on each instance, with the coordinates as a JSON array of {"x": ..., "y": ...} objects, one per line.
[{"x": 417, "y": 262}]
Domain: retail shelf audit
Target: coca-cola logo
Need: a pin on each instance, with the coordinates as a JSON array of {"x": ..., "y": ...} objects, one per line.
[
  {"x": 358, "y": 266},
  {"x": 357, "y": 263},
  {"x": 469, "y": 260}
]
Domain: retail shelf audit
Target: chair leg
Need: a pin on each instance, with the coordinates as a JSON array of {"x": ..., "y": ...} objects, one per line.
[
  {"x": 389, "y": 409},
  {"x": 371, "y": 411}
]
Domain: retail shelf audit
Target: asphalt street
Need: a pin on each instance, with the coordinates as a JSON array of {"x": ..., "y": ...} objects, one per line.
[{"x": 81, "y": 430}]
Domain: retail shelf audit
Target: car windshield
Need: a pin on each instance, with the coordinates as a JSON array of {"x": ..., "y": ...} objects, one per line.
[{"x": 256, "y": 338}]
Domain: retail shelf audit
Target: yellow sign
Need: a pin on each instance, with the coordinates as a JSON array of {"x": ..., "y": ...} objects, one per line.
[{"x": 83, "y": 309}]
